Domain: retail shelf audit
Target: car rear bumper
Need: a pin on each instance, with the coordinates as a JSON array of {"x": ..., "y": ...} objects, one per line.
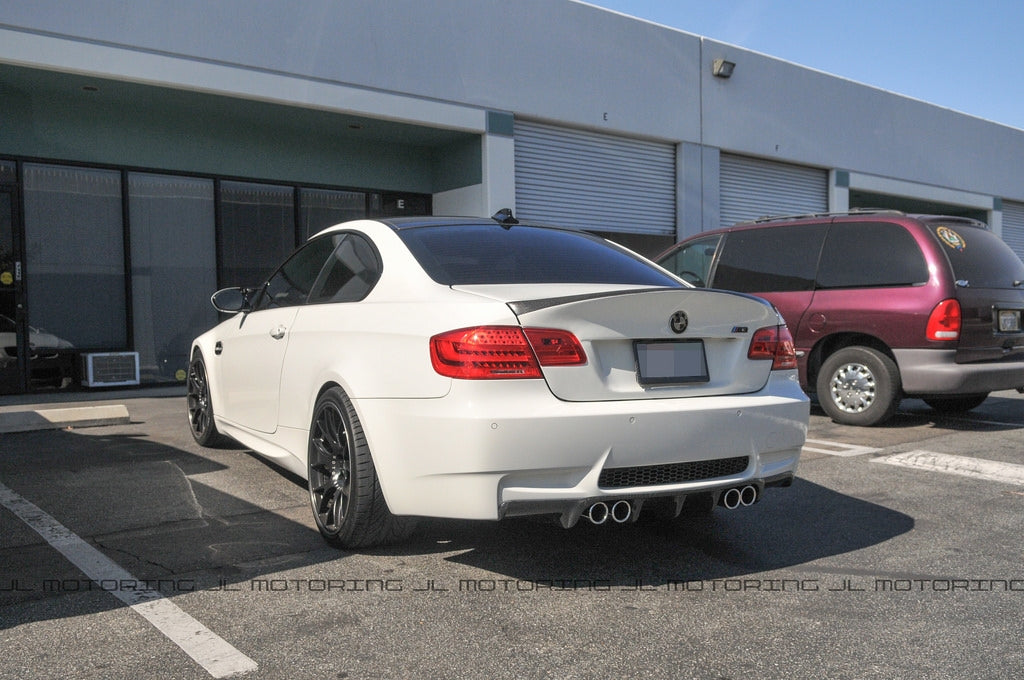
[
  {"x": 489, "y": 449},
  {"x": 931, "y": 371}
]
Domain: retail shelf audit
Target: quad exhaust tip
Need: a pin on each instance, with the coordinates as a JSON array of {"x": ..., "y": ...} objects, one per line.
[{"x": 622, "y": 511}]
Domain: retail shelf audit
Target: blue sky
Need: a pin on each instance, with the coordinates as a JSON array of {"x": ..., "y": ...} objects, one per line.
[{"x": 965, "y": 56}]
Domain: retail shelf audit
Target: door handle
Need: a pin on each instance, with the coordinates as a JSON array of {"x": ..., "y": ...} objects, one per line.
[{"x": 278, "y": 332}]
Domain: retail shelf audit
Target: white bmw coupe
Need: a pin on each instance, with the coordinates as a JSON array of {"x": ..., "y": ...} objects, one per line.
[{"x": 481, "y": 369}]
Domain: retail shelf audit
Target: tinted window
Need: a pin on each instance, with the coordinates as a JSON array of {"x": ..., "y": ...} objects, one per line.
[
  {"x": 692, "y": 261},
  {"x": 351, "y": 271},
  {"x": 490, "y": 254},
  {"x": 865, "y": 254},
  {"x": 770, "y": 260},
  {"x": 978, "y": 256},
  {"x": 293, "y": 281}
]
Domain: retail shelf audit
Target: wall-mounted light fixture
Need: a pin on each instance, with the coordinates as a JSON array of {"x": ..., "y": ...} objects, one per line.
[{"x": 720, "y": 68}]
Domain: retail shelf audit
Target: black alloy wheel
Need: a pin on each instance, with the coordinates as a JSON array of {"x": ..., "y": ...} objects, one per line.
[
  {"x": 348, "y": 505},
  {"x": 200, "y": 407}
]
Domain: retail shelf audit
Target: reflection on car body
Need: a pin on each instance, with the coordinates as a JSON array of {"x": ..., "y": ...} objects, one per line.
[
  {"x": 49, "y": 366},
  {"x": 479, "y": 369}
]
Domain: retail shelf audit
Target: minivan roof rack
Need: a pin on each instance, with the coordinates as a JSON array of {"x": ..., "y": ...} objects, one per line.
[{"x": 845, "y": 213}]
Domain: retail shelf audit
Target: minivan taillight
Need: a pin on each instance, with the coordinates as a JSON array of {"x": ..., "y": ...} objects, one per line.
[
  {"x": 775, "y": 343},
  {"x": 944, "y": 321},
  {"x": 502, "y": 352}
]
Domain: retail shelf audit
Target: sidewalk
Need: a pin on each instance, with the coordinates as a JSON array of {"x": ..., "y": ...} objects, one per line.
[{"x": 53, "y": 410}]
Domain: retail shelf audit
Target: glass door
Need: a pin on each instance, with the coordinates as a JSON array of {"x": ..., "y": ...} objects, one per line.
[{"x": 13, "y": 368}]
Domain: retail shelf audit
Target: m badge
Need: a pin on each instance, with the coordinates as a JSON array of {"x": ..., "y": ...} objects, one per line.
[{"x": 678, "y": 322}]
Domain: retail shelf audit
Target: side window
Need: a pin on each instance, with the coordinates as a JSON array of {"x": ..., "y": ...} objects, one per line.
[
  {"x": 291, "y": 283},
  {"x": 351, "y": 272},
  {"x": 692, "y": 262},
  {"x": 865, "y": 254},
  {"x": 770, "y": 259}
]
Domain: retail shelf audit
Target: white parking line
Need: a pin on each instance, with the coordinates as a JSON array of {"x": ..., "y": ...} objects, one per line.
[
  {"x": 836, "y": 448},
  {"x": 209, "y": 650},
  {"x": 990, "y": 470}
]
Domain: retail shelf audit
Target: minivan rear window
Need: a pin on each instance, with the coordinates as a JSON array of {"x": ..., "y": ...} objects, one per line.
[{"x": 978, "y": 256}]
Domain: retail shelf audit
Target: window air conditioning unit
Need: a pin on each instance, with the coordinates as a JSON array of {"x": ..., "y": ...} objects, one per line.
[{"x": 110, "y": 369}]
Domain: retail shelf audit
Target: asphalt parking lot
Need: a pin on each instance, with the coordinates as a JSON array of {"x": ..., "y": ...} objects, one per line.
[{"x": 127, "y": 551}]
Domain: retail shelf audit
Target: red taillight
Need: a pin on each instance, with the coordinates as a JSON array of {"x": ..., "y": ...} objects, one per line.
[
  {"x": 775, "y": 343},
  {"x": 556, "y": 348},
  {"x": 944, "y": 321},
  {"x": 499, "y": 352}
]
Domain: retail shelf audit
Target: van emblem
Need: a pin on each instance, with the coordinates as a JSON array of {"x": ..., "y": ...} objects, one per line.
[
  {"x": 678, "y": 322},
  {"x": 951, "y": 239}
]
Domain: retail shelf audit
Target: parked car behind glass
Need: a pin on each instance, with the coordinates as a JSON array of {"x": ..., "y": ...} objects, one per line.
[
  {"x": 481, "y": 369},
  {"x": 881, "y": 304}
]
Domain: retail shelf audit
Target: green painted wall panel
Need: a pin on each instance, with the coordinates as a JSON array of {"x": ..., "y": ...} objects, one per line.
[{"x": 50, "y": 115}]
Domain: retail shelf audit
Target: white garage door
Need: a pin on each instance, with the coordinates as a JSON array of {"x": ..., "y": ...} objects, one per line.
[
  {"x": 594, "y": 181},
  {"x": 1013, "y": 226},
  {"x": 752, "y": 187}
]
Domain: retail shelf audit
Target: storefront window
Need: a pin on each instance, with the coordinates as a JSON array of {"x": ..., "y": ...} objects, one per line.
[
  {"x": 8, "y": 171},
  {"x": 74, "y": 256},
  {"x": 174, "y": 266},
  {"x": 322, "y": 208},
  {"x": 257, "y": 231}
]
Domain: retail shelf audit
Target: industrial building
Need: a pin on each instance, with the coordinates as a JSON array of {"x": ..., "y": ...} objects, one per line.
[{"x": 152, "y": 152}]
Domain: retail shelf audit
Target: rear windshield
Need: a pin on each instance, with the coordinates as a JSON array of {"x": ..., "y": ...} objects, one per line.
[
  {"x": 490, "y": 254},
  {"x": 978, "y": 256}
]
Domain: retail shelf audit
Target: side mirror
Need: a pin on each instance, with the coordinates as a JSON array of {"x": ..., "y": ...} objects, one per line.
[{"x": 231, "y": 300}]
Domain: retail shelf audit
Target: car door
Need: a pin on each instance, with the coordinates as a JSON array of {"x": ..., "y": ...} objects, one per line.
[{"x": 252, "y": 352}]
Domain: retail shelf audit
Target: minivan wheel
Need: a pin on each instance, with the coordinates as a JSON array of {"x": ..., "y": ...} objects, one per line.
[
  {"x": 958, "y": 404},
  {"x": 858, "y": 386}
]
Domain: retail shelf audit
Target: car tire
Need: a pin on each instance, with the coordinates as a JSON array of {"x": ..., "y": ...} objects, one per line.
[
  {"x": 200, "y": 406},
  {"x": 859, "y": 386},
  {"x": 958, "y": 404},
  {"x": 345, "y": 495}
]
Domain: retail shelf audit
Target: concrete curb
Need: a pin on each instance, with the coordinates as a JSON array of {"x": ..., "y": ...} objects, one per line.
[{"x": 59, "y": 418}]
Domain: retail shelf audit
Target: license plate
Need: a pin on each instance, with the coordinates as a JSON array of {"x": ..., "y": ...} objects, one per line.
[
  {"x": 666, "y": 363},
  {"x": 1009, "y": 320}
]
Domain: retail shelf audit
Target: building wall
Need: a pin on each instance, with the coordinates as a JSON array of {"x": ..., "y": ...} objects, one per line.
[
  {"x": 779, "y": 110},
  {"x": 406, "y": 97}
]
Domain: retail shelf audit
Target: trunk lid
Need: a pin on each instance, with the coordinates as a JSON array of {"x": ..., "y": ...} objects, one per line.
[{"x": 621, "y": 328}]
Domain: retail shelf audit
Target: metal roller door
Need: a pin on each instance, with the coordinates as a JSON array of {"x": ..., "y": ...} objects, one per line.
[
  {"x": 594, "y": 181},
  {"x": 751, "y": 187},
  {"x": 1013, "y": 226}
]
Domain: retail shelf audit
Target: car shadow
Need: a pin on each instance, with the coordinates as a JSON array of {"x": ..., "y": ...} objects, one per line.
[
  {"x": 994, "y": 415},
  {"x": 179, "y": 522},
  {"x": 789, "y": 527}
]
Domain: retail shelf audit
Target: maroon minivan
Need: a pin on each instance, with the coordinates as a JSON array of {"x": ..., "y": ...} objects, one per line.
[{"x": 881, "y": 304}]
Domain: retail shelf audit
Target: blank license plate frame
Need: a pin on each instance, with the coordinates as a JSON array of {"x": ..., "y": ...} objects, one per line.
[
  {"x": 670, "y": 362},
  {"x": 1008, "y": 320}
]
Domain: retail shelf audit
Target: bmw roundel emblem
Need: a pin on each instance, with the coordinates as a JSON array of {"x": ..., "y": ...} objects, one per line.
[{"x": 678, "y": 322}]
